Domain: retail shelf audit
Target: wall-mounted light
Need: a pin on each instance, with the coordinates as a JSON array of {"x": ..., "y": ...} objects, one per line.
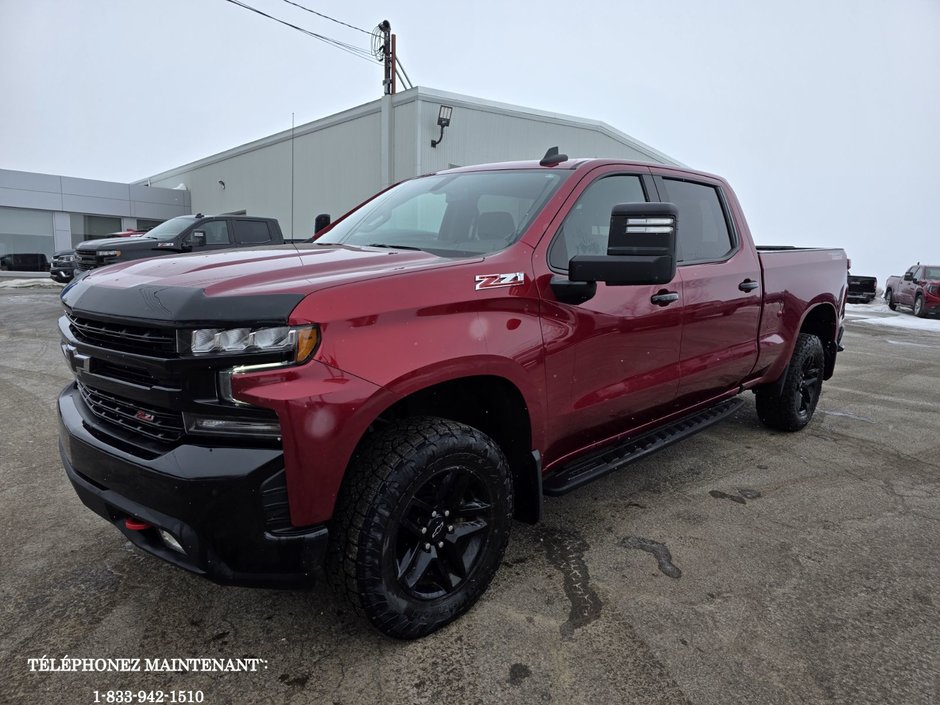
[
  {"x": 443, "y": 120},
  {"x": 222, "y": 184}
]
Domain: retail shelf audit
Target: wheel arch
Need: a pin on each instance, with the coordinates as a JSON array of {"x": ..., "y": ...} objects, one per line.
[{"x": 497, "y": 407}]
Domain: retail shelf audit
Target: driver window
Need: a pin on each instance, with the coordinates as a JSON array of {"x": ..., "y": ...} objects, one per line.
[
  {"x": 216, "y": 232},
  {"x": 585, "y": 228}
]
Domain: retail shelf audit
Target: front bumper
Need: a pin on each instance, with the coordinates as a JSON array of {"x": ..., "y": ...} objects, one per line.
[
  {"x": 63, "y": 275},
  {"x": 224, "y": 505}
]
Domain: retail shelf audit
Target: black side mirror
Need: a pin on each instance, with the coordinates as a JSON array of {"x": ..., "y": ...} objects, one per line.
[
  {"x": 197, "y": 238},
  {"x": 641, "y": 247},
  {"x": 322, "y": 221}
]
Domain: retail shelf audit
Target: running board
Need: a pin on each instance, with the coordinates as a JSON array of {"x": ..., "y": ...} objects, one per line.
[{"x": 597, "y": 464}]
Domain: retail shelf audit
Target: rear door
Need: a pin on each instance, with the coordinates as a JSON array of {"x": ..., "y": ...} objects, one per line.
[
  {"x": 721, "y": 295},
  {"x": 611, "y": 362}
]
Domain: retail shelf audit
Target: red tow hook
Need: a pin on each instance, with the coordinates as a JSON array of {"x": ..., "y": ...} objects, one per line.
[{"x": 135, "y": 525}]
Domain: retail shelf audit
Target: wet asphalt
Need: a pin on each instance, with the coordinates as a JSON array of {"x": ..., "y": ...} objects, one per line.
[{"x": 739, "y": 566}]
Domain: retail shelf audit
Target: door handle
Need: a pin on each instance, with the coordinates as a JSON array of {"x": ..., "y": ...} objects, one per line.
[
  {"x": 664, "y": 298},
  {"x": 748, "y": 285}
]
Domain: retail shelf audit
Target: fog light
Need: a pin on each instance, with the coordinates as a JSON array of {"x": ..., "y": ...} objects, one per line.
[{"x": 170, "y": 541}]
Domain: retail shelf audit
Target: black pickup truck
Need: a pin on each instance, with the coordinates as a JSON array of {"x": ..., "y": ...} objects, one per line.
[{"x": 186, "y": 233}]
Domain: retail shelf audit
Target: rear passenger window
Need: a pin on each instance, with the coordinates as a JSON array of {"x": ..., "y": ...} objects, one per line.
[
  {"x": 703, "y": 229},
  {"x": 252, "y": 231}
]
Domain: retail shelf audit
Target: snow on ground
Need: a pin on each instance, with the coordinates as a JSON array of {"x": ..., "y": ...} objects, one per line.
[
  {"x": 877, "y": 313},
  {"x": 29, "y": 284}
]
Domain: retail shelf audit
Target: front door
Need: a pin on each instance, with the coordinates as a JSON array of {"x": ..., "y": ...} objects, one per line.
[{"x": 611, "y": 362}]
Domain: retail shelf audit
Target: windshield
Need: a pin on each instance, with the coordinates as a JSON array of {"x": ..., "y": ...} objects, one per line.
[
  {"x": 171, "y": 228},
  {"x": 451, "y": 215}
]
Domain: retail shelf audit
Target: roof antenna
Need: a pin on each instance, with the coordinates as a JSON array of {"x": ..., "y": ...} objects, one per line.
[{"x": 552, "y": 157}]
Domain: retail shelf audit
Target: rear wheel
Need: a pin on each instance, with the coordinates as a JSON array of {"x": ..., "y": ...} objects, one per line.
[
  {"x": 919, "y": 309},
  {"x": 793, "y": 407},
  {"x": 421, "y": 524},
  {"x": 889, "y": 297}
]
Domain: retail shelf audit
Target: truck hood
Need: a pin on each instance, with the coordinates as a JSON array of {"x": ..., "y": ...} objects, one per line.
[
  {"x": 110, "y": 243},
  {"x": 262, "y": 284}
]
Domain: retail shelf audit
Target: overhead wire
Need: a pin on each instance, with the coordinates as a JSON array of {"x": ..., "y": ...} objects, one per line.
[
  {"x": 327, "y": 17},
  {"x": 343, "y": 46}
]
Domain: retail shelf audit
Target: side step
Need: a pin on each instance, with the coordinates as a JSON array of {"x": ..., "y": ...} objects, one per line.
[{"x": 594, "y": 465}]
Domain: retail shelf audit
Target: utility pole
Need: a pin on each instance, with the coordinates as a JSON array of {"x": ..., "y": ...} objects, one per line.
[{"x": 388, "y": 52}]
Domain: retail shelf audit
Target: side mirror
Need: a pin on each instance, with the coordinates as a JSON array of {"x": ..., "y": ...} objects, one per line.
[
  {"x": 641, "y": 247},
  {"x": 320, "y": 222},
  {"x": 197, "y": 238}
]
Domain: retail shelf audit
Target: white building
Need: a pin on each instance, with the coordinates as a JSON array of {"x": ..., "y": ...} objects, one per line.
[
  {"x": 328, "y": 165},
  {"x": 332, "y": 164}
]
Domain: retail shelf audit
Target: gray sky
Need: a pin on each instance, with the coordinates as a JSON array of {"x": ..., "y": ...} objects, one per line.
[{"x": 822, "y": 115}]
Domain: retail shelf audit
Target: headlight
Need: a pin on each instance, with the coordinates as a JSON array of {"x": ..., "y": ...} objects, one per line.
[
  {"x": 302, "y": 340},
  {"x": 220, "y": 426},
  {"x": 109, "y": 253},
  {"x": 932, "y": 289}
]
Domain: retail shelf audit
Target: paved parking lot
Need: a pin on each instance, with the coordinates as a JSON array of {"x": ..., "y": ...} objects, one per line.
[{"x": 740, "y": 566}]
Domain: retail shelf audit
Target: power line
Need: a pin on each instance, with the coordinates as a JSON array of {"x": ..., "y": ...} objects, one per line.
[
  {"x": 327, "y": 17},
  {"x": 349, "y": 48}
]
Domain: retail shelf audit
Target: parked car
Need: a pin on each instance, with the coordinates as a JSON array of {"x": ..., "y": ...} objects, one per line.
[
  {"x": 384, "y": 400},
  {"x": 862, "y": 290},
  {"x": 63, "y": 266},
  {"x": 186, "y": 233},
  {"x": 24, "y": 262},
  {"x": 919, "y": 288}
]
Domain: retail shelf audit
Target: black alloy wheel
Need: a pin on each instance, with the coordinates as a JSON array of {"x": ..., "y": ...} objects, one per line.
[
  {"x": 810, "y": 386},
  {"x": 791, "y": 406},
  {"x": 420, "y": 525},
  {"x": 442, "y": 533}
]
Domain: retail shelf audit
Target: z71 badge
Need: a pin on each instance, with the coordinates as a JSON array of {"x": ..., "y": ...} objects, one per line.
[{"x": 495, "y": 281}]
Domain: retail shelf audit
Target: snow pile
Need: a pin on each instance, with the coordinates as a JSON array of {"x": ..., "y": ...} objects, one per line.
[
  {"x": 878, "y": 314},
  {"x": 29, "y": 284}
]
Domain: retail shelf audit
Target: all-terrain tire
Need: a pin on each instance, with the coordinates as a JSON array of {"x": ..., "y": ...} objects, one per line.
[
  {"x": 793, "y": 407},
  {"x": 919, "y": 309},
  {"x": 420, "y": 525},
  {"x": 889, "y": 297}
]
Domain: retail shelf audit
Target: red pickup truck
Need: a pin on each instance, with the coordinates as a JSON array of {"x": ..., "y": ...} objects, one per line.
[
  {"x": 919, "y": 288},
  {"x": 386, "y": 399}
]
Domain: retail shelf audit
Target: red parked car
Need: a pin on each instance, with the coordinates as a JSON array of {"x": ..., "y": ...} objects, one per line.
[
  {"x": 919, "y": 288},
  {"x": 384, "y": 400}
]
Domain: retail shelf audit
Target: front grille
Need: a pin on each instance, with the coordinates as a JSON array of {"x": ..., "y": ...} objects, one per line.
[
  {"x": 85, "y": 259},
  {"x": 118, "y": 336},
  {"x": 158, "y": 424},
  {"x": 125, "y": 373}
]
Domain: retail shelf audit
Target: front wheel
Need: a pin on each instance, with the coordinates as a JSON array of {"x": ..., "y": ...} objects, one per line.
[
  {"x": 889, "y": 297},
  {"x": 919, "y": 309},
  {"x": 421, "y": 524},
  {"x": 792, "y": 408}
]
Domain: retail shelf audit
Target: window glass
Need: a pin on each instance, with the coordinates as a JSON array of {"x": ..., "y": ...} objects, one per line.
[
  {"x": 171, "y": 228},
  {"x": 101, "y": 226},
  {"x": 144, "y": 224},
  {"x": 703, "y": 232},
  {"x": 216, "y": 232},
  {"x": 451, "y": 215},
  {"x": 253, "y": 231},
  {"x": 585, "y": 229}
]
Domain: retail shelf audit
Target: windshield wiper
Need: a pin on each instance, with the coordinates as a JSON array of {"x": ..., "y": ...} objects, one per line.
[{"x": 395, "y": 247}]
